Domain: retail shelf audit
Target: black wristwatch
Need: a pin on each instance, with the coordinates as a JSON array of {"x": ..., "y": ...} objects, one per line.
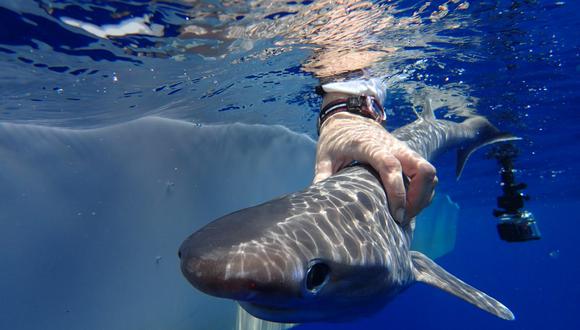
[{"x": 363, "y": 105}]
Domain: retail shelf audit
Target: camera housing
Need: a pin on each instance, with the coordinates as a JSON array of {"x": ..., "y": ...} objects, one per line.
[
  {"x": 515, "y": 223},
  {"x": 518, "y": 228}
]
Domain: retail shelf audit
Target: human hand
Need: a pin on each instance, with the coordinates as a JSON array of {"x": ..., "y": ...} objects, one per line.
[{"x": 346, "y": 137}]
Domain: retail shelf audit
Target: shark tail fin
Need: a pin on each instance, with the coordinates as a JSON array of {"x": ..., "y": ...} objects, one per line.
[
  {"x": 245, "y": 321},
  {"x": 487, "y": 134},
  {"x": 427, "y": 271}
]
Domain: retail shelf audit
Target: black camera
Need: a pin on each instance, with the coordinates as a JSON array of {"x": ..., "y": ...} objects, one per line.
[{"x": 515, "y": 223}]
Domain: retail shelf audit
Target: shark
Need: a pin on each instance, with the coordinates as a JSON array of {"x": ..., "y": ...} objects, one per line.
[{"x": 332, "y": 252}]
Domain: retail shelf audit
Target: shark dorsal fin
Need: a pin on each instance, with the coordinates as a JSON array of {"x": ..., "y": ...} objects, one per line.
[
  {"x": 427, "y": 271},
  {"x": 427, "y": 113}
]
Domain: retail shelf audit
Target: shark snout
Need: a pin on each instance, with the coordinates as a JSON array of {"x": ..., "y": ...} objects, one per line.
[
  {"x": 222, "y": 271},
  {"x": 235, "y": 257},
  {"x": 207, "y": 271},
  {"x": 208, "y": 276}
]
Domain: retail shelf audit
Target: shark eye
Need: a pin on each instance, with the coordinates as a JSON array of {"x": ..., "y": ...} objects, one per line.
[{"x": 316, "y": 276}]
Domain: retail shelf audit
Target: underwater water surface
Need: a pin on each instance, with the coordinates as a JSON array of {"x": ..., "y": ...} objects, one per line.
[{"x": 126, "y": 125}]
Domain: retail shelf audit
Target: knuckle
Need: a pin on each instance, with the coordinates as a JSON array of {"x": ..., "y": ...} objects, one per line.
[{"x": 390, "y": 164}]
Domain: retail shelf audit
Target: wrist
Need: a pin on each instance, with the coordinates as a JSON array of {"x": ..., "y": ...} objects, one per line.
[{"x": 346, "y": 121}]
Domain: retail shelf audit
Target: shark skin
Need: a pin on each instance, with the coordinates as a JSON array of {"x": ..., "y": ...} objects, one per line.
[{"x": 331, "y": 252}]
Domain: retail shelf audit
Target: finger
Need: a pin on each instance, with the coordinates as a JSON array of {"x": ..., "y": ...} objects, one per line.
[
  {"x": 390, "y": 171},
  {"x": 432, "y": 196},
  {"x": 421, "y": 189},
  {"x": 322, "y": 170},
  {"x": 423, "y": 179}
]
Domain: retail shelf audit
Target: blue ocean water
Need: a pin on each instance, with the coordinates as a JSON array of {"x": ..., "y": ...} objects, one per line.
[{"x": 115, "y": 144}]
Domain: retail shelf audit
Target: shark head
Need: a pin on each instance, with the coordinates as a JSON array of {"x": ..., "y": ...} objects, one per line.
[{"x": 286, "y": 270}]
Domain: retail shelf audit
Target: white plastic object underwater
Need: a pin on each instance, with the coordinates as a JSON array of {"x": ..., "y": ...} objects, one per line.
[{"x": 373, "y": 87}]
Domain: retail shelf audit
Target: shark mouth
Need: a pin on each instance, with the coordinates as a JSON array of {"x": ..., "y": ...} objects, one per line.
[{"x": 280, "y": 314}]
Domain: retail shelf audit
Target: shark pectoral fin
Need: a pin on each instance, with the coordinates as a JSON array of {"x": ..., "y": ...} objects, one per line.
[
  {"x": 427, "y": 271},
  {"x": 486, "y": 134}
]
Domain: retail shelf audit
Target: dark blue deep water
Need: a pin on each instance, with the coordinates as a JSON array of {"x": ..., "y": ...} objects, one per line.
[{"x": 116, "y": 144}]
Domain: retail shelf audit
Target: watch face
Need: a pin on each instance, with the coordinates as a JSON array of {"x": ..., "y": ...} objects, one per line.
[{"x": 355, "y": 102}]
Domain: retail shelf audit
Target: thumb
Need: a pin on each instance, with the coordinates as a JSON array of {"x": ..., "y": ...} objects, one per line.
[{"x": 322, "y": 170}]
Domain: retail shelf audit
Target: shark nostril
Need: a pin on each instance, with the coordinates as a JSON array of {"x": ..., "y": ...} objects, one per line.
[
  {"x": 179, "y": 254},
  {"x": 316, "y": 276}
]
